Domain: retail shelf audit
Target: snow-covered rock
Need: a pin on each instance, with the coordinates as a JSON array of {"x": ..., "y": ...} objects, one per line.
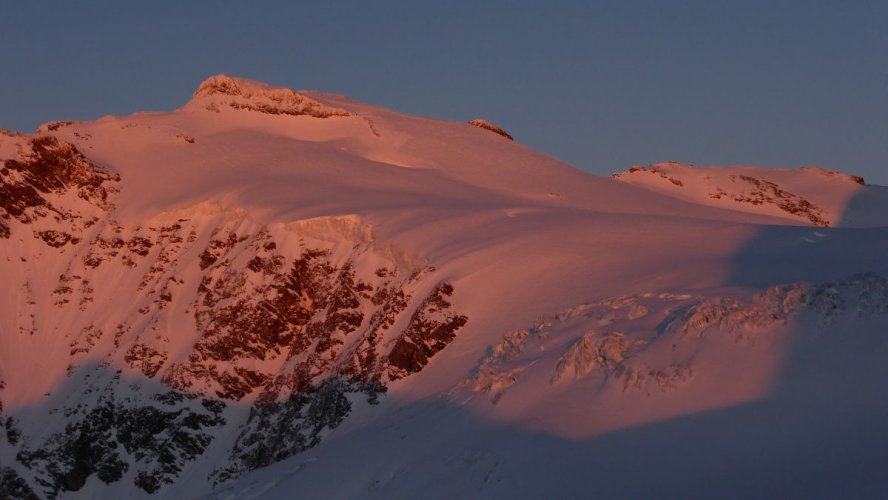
[
  {"x": 809, "y": 195},
  {"x": 250, "y": 95}
]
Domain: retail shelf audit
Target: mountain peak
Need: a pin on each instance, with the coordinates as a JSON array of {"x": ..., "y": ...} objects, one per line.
[
  {"x": 232, "y": 85},
  {"x": 251, "y": 95}
]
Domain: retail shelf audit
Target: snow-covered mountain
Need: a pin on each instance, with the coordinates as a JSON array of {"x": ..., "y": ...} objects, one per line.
[{"x": 269, "y": 293}]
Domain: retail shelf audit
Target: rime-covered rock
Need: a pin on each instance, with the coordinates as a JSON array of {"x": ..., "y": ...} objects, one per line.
[{"x": 249, "y": 95}]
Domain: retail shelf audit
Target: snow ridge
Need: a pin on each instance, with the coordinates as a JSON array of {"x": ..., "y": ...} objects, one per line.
[{"x": 768, "y": 191}]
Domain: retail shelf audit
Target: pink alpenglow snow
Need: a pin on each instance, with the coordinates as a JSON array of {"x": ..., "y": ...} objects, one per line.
[{"x": 270, "y": 292}]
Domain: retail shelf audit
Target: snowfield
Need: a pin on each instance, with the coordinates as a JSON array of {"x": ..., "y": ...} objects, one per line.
[{"x": 274, "y": 294}]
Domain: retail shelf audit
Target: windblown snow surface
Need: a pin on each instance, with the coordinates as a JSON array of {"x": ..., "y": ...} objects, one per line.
[{"x": 278, "y": 294}]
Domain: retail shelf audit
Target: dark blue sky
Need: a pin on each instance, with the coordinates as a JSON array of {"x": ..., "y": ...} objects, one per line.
[{"x": 602, "y": 85}]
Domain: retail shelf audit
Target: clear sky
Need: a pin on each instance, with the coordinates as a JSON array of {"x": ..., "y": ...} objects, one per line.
[{"x": 601, "y": 85}]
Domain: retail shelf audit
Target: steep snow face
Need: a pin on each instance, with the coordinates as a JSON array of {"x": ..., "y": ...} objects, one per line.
[
  {"x": 11, "y": 144},
  {"x": 808, "y": 196},
  {"x": 196, "y": 294},
  {"x": 150, "y": 343}
]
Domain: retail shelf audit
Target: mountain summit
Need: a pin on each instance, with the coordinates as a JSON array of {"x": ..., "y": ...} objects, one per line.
[
  {"x": 268, "y": 292},
  {"x": 250, "y": 95}
]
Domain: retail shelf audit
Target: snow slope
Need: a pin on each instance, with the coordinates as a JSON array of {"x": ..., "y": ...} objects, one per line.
[{"x": 275, "y": 293}]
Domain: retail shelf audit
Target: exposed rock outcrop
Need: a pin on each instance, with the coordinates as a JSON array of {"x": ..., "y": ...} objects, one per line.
[
  {"x": 243, "y": 94},
  {"x": 292, "y": 333},
  {"x": 30, "y": 188},
  {"x": 743, "y": 188},
  {"x": 486, "y": 125}
]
